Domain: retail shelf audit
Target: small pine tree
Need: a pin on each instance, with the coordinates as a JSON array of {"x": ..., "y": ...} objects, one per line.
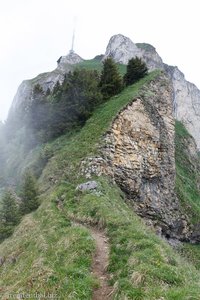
[
  {"x": 48, "y": 92},
  {"x": 9, "y": 215},
  {"x": 38, "y": 89},
  {"x": 29, "y": 194},
  {"x": 57, "y": 89},
  {"x": 110, "y": 82},
  {"x": 136, "y": 69}
]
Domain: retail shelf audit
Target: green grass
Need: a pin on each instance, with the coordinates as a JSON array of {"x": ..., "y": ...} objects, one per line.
[
  {"x": 187, "y": 174},
  {"x": 53, "y": 255},
  {"x": 95, "y": 64},
  {"x": 187, "y": 178},
  {"x": 91, "y": 64},
  {"x": 191, "y": 253},
  {"x": 142, "y": 265},
  {"x": 145, "y": 46}
]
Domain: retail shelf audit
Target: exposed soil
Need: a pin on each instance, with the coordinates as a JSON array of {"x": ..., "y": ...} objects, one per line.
[{"x": 100, "y": 264}]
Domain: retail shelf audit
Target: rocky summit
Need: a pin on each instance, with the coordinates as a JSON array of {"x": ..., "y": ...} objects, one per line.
[
  {"x": 186, "y": 94},
  {"x": 121, "y": 49},
  {"x": 70, "y": 59}
]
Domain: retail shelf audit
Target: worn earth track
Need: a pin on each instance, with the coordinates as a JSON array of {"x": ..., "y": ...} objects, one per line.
[{"x": 100, "y": 263}]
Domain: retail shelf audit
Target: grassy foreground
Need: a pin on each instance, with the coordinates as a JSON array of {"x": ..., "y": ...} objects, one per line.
[{"x": 48, "y": 254}]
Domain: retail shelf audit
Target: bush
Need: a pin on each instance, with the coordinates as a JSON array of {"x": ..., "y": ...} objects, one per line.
[
  {"x": 136, "y": 69},
  {"x": 111, "y": 82},
  {"x": 69, "y": 105},
  {"x": 29, "y": 194},
  {"x": 9, "y": 215}
]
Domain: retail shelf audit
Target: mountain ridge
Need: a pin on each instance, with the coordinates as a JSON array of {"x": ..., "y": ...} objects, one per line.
[
  {"x": 48, "y": 254},
  {"x": 121, "y": 49},
  {"x": 129, "y": 172}
]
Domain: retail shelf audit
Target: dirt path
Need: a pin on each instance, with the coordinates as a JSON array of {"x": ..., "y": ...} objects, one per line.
[{"x": 100, "y": 264}]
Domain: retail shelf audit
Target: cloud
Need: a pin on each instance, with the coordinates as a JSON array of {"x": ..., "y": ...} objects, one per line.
[{"x": 35, "y": 33}]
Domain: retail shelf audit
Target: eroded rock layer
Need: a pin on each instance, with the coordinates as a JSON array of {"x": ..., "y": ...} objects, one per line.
[{"x": 138, "y": 154}]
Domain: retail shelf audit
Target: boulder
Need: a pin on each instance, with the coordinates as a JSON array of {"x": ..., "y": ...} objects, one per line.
[{"x": 87, "y": 186}]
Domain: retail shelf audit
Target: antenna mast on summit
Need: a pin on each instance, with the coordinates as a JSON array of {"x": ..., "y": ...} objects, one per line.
[{"x": 73, "y": 37}]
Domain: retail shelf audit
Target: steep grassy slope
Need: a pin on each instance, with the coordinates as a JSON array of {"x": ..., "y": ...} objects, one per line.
[
  {"x": 49, "y": 254},
  {"x": 18, "y": 155},
  {"x": 188, "y": 184},
  {"x": 188, "y": 172}
]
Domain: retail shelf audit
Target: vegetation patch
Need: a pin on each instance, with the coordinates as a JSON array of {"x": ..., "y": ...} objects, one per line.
[
  {"x": 187, "y": 173},
  {"x": 96, "y": 64},
  {"x": 142, "y": 266}
]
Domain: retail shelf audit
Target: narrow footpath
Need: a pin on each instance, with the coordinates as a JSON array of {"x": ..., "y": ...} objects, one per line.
[{"x": 100, "y": 264}]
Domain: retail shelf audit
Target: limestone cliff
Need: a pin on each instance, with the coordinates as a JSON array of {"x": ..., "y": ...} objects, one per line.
[
  {"x": 186, "y": 102},
  {"x": 186, "y": 94},
  {"x": 138, "y": 154},
  {"x": 121, "y": 49}
]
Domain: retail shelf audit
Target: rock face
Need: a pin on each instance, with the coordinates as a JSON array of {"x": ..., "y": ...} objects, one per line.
[
  {"x": 45, "y": 80},
  {"x": 195, "y": 236},
  {"x": 186, "y": 102},
  {"x": 138, "y": 154},
  {"x": 186, "y": 94},
  {"x": 25, "y": 90},
  {"x": 121, "y": 49},
  {"x": 71, "y": 59},
  {"x": 87, "y": 186}
]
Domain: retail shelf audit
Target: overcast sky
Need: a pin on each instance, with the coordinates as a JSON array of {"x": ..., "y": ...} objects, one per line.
[{"x": 35, "y": 33}]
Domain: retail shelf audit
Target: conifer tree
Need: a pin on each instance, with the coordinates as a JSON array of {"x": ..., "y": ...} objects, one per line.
[
  {"x": 29, "y": 194},
  {"x": 9, "y": 215},
  {"x": 111, "y": 81},
  {"x": 136, "y": 69}
]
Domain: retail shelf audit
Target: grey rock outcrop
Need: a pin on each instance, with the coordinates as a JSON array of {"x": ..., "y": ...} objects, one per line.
[
  {"x": 186, "y": 94},
  {"x": 46, "y": 80},
  {"x": 25, "y": 90},
  {"x": 87, "y": 186},
  {"x": 186, "y": 102},
  {"x": 195, "y": 236},
  {"x": 138, "y": 154},
  {"x": 71, "y": 59},
  {"x": 121, "y": 49}
]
